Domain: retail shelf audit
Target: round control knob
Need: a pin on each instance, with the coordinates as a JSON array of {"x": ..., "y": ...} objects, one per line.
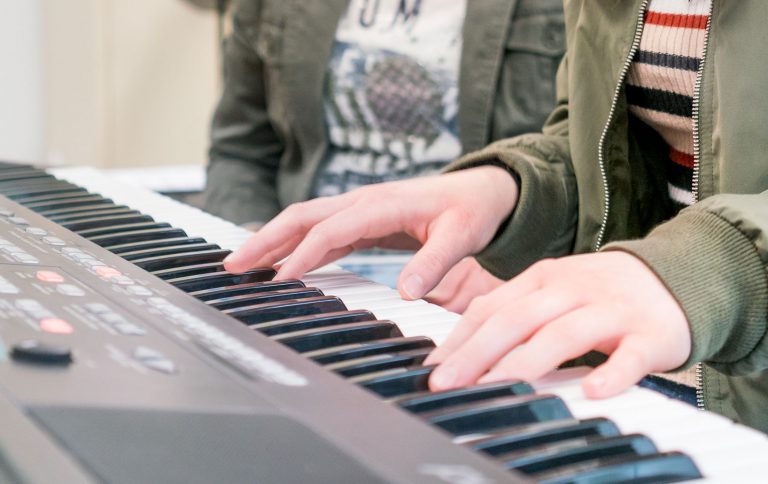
[{"x": 34, "y": 351}]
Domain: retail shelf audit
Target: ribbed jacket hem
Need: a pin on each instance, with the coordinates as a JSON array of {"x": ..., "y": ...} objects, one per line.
[{"x": 715, "y": 273}]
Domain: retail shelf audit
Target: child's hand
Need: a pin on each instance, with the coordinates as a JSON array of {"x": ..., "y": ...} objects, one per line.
[
  {"x": 445, "y": 217},
  {"x": 561, "y": 309}
]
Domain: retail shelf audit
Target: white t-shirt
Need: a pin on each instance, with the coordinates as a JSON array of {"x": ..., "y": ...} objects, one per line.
[{"x": 391, "y": 93}]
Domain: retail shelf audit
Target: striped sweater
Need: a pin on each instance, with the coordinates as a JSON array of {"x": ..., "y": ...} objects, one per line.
[{"x": 662, "y": 80}]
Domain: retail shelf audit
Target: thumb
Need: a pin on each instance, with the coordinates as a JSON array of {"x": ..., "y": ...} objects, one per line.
[{"x": 429, "y": 265}]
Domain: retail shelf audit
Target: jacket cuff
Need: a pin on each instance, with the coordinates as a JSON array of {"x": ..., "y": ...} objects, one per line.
[
  {"x": 543, "y": 221},
  {"x": 715, "y": 273}
]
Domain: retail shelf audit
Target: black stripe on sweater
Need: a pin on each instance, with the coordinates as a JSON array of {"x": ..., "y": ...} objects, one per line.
[
  {"x": 668, "y": 60},
  {"x": 659, "y": 100},
  {"x": 679, "y": 176}
]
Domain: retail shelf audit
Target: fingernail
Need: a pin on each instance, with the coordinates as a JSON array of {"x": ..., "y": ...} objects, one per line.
[
  {"x": 414, "y": 286},
  {"x": 229, "y": 258},
  {"x": 445, "y": 376}
]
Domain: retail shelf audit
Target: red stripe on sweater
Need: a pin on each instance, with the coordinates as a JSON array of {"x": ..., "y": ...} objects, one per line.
[
  {"x": 682, "y": 159},
  {"x": 677, "y": 20}
]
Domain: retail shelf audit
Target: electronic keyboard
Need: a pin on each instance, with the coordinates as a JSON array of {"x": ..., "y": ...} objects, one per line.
[{"x": 129, "y": 355}]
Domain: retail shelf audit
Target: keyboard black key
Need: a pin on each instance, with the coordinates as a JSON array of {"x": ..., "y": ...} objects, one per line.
[
  {"x": 376, "y": 363},
  {"x": 264, "y": 297},
  {"x": 46, "y": 189},
  {"x": 85, "y": 200},
  {"x": 107, "y": 241},
  {"x": 168, "y": 261},
  {"x": 574, "y": 451},
  {"x": 535, "y": 434},
  {"x": 359, "y": 350},
  {"x": 71, "y": 217},
  {"x": 33, "y": 198},
  {"x": 122, "y": 248},
  {"x": 429, "y": 401},
  {"x": 314, "y": 339},
  {"x": 246, "y": 288},
  {"x": 120, "y": 228},
  {"x": 497, "y": 413},
  {"x": 168, "y": 250},
  {"x": 57, "y": 212},
  {"x": 104, "y": 221},
  {"x": 221, "y": 279},
  {"x": 395, "y": 382},
  {"x": 184, "y": 271},
  {"x": 24, "y": 183},
  {"x": 313, "y": 321},
  {"x": 261, "y": 313},
  {"x": 654, "y": 468},
  {"x": 21, "y": 174}
]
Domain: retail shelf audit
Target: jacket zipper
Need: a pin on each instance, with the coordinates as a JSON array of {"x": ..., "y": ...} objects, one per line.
[
  {"x": 696, "y": 168},
  {"x": 611, "y": 114}
]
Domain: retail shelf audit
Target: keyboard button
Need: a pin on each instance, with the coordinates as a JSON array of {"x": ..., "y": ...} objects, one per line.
[
  {"x": 36, "y": 231},
  {"x": 35, "y": 351},
  {"x": 313, "y": 321},
  {"x": 53, "y": 241},
  {"x": 262, "y": 313},
  {"x": 18, "y": 220},
  {"x": 429, "y": 401}
]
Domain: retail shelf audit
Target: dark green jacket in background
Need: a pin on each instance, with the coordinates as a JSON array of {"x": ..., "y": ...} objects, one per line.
[
  {"x": 269, "y": 134},
  {"x": 594, "y": 178}
]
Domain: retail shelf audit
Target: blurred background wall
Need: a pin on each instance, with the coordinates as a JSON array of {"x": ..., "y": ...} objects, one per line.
[{"x": 107, "y": 83}]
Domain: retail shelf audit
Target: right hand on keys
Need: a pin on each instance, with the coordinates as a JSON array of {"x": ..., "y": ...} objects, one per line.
[{"x": 445, "y": 217}]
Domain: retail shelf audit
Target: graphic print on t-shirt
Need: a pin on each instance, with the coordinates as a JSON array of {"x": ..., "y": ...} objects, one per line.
[{"x": 391, "y": 93}]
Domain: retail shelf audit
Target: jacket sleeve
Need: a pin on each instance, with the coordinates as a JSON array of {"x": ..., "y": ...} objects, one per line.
[
  {"x": 543, "y": 223},
  {"x": 245, "y": 149},
  {"x": 712, "y": 257}
]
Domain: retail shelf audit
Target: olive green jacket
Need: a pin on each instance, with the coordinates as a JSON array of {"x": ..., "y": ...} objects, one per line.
[
  {"x": 592, "y": 178},
  {"x": 269, "y": 134}
]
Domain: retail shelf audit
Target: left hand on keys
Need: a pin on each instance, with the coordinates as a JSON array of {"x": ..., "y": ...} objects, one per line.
[{"x": 561, "y": 309}]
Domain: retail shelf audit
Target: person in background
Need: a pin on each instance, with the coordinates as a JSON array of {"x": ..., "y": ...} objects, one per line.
[
  {"x": 323, "y": 97},
  {"x": 634, "y": 225}
]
